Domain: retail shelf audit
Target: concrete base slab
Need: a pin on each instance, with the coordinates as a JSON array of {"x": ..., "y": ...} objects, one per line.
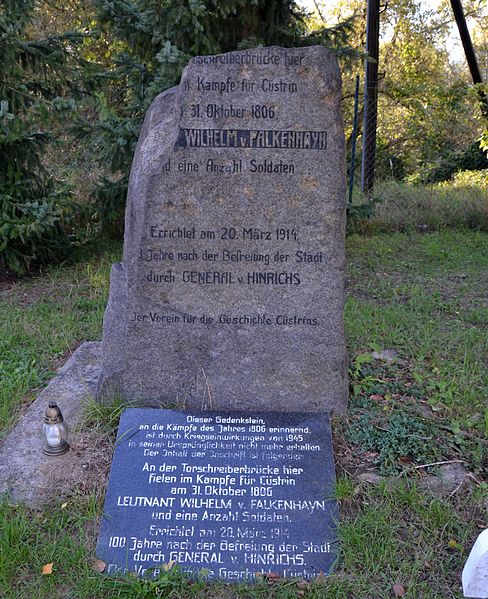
[{"x": 26, "y": 474}]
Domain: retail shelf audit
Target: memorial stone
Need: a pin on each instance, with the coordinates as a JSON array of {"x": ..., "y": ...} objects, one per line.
[
  {"x": 231, "y": 289},
  {"x": 229, "y": 495}
]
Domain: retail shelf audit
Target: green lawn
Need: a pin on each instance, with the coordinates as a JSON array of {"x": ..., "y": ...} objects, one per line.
[
  {"x": 426, "y": 296},
  {"x": 44, "y": 319},
  {"x": 423, "y": 296}
]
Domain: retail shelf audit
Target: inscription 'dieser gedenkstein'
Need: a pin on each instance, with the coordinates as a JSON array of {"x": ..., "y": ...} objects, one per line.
[
  {"x": 226, "y": 495},
  {"x": 232, "y": 281}
]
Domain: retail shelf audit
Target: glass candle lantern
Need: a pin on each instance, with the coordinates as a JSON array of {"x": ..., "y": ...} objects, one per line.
[{"x": 55, "y": 431}]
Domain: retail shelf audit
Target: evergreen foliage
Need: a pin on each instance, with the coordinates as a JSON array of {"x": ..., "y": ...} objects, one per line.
[
  {"x": 156, "y": 38},
  {"x": 35, "y": 83}
]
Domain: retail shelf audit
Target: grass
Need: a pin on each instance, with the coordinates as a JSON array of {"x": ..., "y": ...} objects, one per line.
[
  {"x": 389, "y": 535},
  {"x": 425, "y": 296},
  {"x": 403, "y": 535},
  {"x": 461, "y": 203},
  {"x": 421, "y": 295},
  {"x": 44, "y": 319}
]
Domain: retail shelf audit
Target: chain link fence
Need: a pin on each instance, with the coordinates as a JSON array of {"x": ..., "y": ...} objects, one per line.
[{"x": 404, "y": 181}]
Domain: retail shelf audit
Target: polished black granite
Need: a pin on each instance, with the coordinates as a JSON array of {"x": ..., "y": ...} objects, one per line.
[{"x": 223, "y": 494}]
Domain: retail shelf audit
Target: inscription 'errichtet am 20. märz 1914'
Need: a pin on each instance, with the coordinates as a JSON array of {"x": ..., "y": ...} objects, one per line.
[{"x": 212, "y": 267}]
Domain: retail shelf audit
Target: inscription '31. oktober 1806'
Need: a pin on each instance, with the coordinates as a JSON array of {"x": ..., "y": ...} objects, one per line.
[{"x": 231, "y": 289}]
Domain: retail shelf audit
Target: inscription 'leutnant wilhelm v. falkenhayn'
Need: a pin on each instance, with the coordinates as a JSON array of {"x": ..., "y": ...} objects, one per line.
[{"x": 231, "y": 288}]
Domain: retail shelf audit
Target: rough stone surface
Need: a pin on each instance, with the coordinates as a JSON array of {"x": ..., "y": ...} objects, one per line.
[
  {"x": 450, "y": 477},
  {"x": 231, "y": 290},
  {"x": 475, "y": 571},
  {"x": 25, "y": 472}
]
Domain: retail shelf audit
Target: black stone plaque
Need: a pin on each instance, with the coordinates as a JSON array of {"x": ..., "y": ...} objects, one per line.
[{"x": 224, "y": 494}]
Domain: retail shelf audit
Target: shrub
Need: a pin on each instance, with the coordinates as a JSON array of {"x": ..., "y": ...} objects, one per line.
[{"x": 35, "y": 212}]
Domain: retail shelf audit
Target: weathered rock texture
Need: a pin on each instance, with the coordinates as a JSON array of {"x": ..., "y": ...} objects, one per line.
[
  {"x": 231, "y": 289},
  {"x": 26, "y": 474}
]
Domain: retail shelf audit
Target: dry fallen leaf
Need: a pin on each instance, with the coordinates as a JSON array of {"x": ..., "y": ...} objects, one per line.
[
  {"x": 99, "y": 565},
  {"x": 169, "y": 565},
  {"x": 64, "y": 505},
  {"x": 48, "y": 568},
  {"x": 399, "y": 590}
]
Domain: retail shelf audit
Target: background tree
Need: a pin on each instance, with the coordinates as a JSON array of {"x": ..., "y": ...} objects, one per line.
[
  {"x": 155, "y": 39},
  {"x": 37, "y": 82},
  {"x": 424, "y": 100},
  {"x": 429, "y": 121}
]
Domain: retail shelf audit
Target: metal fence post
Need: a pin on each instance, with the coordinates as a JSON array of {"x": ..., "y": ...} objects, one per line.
[
  {"x": 354, "y": 135},
  {"x": 370, "y": 96}
]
